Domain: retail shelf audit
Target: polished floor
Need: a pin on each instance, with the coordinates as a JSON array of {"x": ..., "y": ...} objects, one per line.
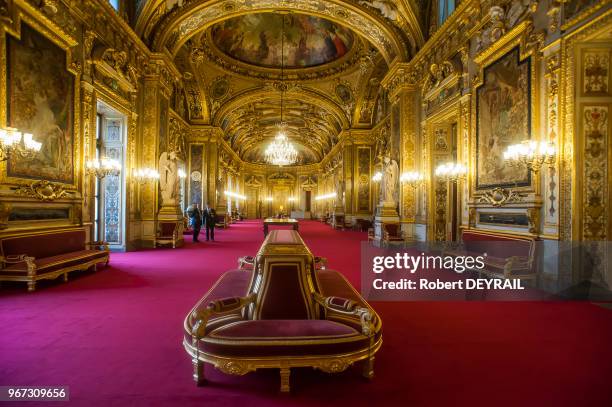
[{"x": 114, "y": 337}]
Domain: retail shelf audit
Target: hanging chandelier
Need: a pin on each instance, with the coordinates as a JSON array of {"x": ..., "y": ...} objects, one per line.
[{"x": 281, "y": 151}]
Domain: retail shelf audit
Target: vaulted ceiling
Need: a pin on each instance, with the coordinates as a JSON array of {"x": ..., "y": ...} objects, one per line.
[{"x": 326, "y": 75}]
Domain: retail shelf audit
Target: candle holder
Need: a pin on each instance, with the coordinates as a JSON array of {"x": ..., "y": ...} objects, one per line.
[
  {"x": 531, "y": 154},
  {"x": 451, "y": 172},
  {"x": 15, "y": 143},
  {"x": 144, "y": 175},
  {"x": 103, "y": 167}
]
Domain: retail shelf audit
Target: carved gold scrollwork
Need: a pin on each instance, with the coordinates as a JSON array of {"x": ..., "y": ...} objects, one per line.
[
  {"x": 500, "y": 196},
  {"x": 233, "y": 368},
  {"x": 43, "y": 190},
  {"x": 533, "y": 217},
  {"x": 334, "y": 366}
]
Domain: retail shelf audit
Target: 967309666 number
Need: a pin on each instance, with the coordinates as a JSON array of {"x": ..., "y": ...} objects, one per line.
[{"x": 40, "y": 393}]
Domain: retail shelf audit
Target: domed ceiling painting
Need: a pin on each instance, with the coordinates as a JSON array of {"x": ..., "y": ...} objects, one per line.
[{"x": 256, "y": 39}]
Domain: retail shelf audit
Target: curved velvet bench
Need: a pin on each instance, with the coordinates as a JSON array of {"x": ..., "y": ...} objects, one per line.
[{"x": 282, "y": 312}]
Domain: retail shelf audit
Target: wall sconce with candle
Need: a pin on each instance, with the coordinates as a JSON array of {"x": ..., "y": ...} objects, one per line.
[
  {"x": 144, "y": 175},
  {"x": 451, "y": 171},
  {"x": 412, "y": 178},
  {"x": 14, "y": 142},
  {"x": 103, "y": 167},
  {"x": 531, "y": 154}
]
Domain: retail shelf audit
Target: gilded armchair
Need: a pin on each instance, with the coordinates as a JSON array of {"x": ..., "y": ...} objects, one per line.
[{"x": 281, "y": 294}]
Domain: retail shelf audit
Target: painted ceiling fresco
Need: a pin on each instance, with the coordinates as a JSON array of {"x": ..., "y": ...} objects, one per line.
[{"x": 256, "y": 39}]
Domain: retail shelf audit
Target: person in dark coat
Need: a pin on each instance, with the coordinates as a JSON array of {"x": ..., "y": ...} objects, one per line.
[
  {"x": 195, "y": 214},
  {"x": 210, "y": 218}
]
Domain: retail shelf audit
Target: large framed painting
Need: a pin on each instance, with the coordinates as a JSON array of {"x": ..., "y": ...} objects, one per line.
[
  {"x": 503, "y": 117},
  {"x": 40, "y": 100}
]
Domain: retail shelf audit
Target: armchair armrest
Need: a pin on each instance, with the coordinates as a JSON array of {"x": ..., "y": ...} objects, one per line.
[
  {"x": 219, "y": 306},
  {"x": 246, "y": 260},
  {"x": 320, "y": 263},
  {"x": 516, "y": 263},
  {"x": 20, "y": 258},
  {"x": 99, "y": 244},
  {"x": 349, "y": 307}
]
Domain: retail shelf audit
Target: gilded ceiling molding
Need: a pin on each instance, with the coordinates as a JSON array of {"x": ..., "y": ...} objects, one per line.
[
  {"x": 401, "y": 76},
  {"x": 298, "y": 92},
  {"x": 360, "y": 52},
  {"x": 182, "y": 23}
]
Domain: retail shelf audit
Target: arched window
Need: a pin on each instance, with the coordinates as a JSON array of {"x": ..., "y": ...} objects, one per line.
[{"x": 445, "y": 9}]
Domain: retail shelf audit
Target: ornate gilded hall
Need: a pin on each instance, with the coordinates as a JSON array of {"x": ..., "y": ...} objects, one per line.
[{"x": 199, "y": 190}]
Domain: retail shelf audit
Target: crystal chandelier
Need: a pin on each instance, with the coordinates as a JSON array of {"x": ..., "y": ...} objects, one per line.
[{"x": 281, "y": 151}]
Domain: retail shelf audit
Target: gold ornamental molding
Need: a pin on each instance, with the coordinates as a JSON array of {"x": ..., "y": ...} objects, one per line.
[
  {"x": 43, "y": 191},
  {"x": 500, "y": 197}
]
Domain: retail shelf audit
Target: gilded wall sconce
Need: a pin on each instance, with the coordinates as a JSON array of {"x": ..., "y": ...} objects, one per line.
[
  {"x": 103, "y": 167},
  {"x": 14, "y": 142},
  {"x": 451, "y": 171},
  {"x": 144, "y": 175},
  {"x": 412, "y": 178},
  {"x": 531, "y": 154}
]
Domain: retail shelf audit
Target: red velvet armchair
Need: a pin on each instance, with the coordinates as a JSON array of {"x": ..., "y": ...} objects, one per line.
[
  {"x": 281, "y": 312},
  {"x": 168, "y": 233},
  {"x": 392, "y": 232}
]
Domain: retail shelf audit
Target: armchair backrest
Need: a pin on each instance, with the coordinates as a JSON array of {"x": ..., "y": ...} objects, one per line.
[
  {"x": 167, "y": 228},
  {"x": 46, "y": 244},
  {"x": 283, "y": 279},
  {"x": 393, "y": 229}
]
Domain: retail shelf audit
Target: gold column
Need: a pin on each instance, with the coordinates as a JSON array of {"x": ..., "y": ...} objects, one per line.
[{"x": 148, "y": 158}]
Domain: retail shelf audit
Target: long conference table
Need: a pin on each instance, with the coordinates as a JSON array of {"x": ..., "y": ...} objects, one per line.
[{"x": 279, "y": 222}]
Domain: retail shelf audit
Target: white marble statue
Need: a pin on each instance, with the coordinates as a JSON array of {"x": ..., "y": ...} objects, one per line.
[
  {"x": 386, "y": 8},
  {"x": 168, "y": 178},
  {"x": 389, "y": 181}
]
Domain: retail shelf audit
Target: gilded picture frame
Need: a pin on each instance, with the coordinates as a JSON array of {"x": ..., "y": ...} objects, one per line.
[
  {"x": 24, "y": 20},
  {"x": 517, "y": 43}
]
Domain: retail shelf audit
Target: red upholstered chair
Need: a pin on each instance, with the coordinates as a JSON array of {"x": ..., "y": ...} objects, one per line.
[
  {"x": 392, "y": 232},
  {"x": 167, "y": 233},
  {"x": 338, "y": 222},
  {"x": 280, "y": 314},
  {"x": 508, "y": 256}
]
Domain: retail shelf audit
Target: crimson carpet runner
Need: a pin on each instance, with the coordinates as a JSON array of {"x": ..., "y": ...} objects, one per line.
[{"x": 114, "y": 337}]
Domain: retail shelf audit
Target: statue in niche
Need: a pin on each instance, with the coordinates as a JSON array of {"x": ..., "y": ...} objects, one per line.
[
  {"x": 389, "y": 181},
  {"x": 386, "y": 8},
  {"x": 339, "y": 185},
  {"x": 168, "y": 178}
]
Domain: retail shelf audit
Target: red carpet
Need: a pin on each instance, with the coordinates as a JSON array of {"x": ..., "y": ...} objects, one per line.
[{"x": 114, "y": 337}]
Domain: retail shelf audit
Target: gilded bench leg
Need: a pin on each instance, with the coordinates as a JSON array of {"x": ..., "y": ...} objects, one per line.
[
  {"x": 368, "y": 368},
  {"x": 285, "y": 372},
  {"x": 198, "y": 372},
  {"x": 65, "y": 277},
  {"x": 31, "y": 286}
]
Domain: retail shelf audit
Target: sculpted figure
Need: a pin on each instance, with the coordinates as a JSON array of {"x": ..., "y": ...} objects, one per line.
[
  {"x": 386, "y": 8},
  {"x": 168, "y": 178},
  {"x": 389, "y": 181}
]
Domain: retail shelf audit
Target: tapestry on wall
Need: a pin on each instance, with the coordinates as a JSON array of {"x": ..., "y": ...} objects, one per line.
[
  {"x": 503, "y": 118},
  {"x": 40, "y": 101}
]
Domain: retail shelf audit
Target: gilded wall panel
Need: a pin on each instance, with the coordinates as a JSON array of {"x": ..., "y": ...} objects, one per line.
[
  {"x": 595, "y": 186},
  {"x": 364, "y": 163},
  {"x": 596, "y": 72}
]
